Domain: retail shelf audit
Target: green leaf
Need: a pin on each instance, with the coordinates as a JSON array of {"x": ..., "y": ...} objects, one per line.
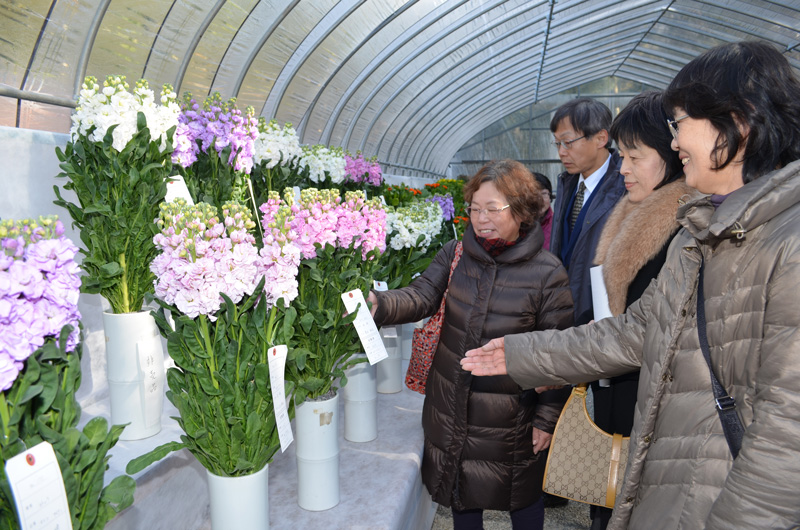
[
  {"x": 96, "y": 430},
  {"x": 141, "y": 462}
]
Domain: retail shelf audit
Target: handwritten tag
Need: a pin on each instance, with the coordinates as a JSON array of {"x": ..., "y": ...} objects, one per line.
[
  {"x": 277, "y": 361},
  {"x": 383, "y": 199},
  {"x": 177, "y": 188},
  {"x": 38, "y": 489},
  {"x": 151, "y": 365},
  {"x": 388, "y": 332},
  {"x": 296, "y": 191},
  {"x": 365, "y": 326}
]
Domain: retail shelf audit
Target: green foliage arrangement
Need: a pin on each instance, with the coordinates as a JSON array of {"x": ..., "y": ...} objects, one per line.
[
  {"x": 119, "y": 193},
  {"x": 41, "y": 406}
]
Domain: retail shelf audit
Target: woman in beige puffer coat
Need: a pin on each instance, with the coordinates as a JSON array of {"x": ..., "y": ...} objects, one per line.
[{"x": 744, "y": 99}]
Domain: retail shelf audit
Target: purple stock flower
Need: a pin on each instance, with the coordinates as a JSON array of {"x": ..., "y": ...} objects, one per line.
[{"x": 446, "y": 202}]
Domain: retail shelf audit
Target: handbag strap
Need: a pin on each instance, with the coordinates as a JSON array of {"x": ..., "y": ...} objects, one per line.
[
  {"x": 453, "y": 264},
  {"x": 726, "y": 405}
]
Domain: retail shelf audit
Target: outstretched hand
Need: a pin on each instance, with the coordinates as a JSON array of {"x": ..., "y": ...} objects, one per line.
[
  {"x": 490, "y": 359},
  {"x": 373, "y": 300}
]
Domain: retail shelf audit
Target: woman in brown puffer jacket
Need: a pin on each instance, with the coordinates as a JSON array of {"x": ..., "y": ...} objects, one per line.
[{"x": 480, "y": 432}]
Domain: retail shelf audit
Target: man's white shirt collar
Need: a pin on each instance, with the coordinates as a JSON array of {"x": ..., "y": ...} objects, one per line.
[{"x": 594, "y": 179}]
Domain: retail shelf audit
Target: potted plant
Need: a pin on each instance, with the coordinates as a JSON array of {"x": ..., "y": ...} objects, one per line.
[
  {"x": 340, "y": 241},
  {"x": 40, "y": 373},
  {"x": 117, "y": 163},
  {"x": 224, "y": 295}
]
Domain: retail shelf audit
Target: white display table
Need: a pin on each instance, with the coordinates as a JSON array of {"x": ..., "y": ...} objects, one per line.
[{"x": 381, "y": 486}]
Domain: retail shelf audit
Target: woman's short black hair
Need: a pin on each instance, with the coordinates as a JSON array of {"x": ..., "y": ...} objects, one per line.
[
  {"x": 544, "y": 182},
  {"x": 749, "y": 83},
  {"x": 644, "y": 121}
]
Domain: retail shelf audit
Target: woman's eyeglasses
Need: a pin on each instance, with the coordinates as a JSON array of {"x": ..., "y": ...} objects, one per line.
[
  {"x": 673, "y": 125},
  {"x": 490, "y": 212}
]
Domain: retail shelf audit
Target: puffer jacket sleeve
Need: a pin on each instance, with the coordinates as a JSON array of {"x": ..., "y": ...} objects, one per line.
[
  {"x": 422, "y": 297},
  {"x": 761, "y": 490},
  {"x": 607, "y": 348},
  {"x": 555, "y": 313}
]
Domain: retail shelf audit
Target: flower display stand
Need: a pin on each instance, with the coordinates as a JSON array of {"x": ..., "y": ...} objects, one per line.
[
  {"x": 135, "y": 368},
  {"x": 360, "y": 397},
  {"x": 317, "y": 450},
  {"x": 239, "y": 503}
]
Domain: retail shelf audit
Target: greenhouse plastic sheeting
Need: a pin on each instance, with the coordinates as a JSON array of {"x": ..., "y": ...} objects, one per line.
[{"x": 410, "y": 82}]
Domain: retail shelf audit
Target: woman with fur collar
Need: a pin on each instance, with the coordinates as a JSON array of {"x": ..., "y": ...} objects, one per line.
[{"x": 633, "y": 245}]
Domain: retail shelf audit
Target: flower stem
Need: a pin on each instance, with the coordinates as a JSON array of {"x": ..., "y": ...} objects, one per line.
[
  {"x": 5, "y": 416},
  {"x": 209, "y": 348},
  {"x": 126, "y": 305}
]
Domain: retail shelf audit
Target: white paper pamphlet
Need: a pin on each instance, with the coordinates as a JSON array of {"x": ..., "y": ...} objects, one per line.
[
  {"x": 277, "y": 362},
  {"x": 600, "y": 302},
  {"x": 365, "y": 326},
  {"x": 38, "y": 489}
]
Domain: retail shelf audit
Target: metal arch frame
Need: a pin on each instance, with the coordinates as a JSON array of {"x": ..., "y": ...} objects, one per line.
[
  {"x": 507, "y": 17},
  {"x": 83, "y": 59},
  {"x": 237, "y": 87},
  {"x": 465, "y": 88},
  {"x": 424, "y": 158},
  {"x": 198, "y": 35},
  {"x": 646, "y": 33},
  {"x": 390, "y": 49},
  {"x": 746, "y": 14},
  {"x": 485, "y": 117},
  {"x": 472, "y": 73},
  {"x": 388, "y": 100},
  {"x": 446, "y": 119},
  {"x": 463, "y": 21},
  {"x": 228, "y": 48},
  {"x": 32, "y": 57},
  {"x": 340, "y": 11},
  {"x": 718, "y": 23},
  {"x": 155, "y": 38},
  {"x": 545, "y": 43},
  {"x": 385, "y": 22}
]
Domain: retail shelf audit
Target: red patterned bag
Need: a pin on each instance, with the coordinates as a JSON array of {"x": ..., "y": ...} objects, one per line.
[{"x": 426, "y": 339}]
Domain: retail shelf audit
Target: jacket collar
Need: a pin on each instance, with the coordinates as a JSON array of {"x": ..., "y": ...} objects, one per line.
[
  {"x": 634, "y": 234},
  {"x": 523, "y": 250},
  {"x": 745, "y": 209}
]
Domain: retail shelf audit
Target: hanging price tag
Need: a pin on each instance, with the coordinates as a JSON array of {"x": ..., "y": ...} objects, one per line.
[
  {"x": 365, "y": 326},
  {"x": 177, "y": 188},
  {"x": 277, "y": 361},
  {"x": 38, "y": 489},
  {"x": 388, "y": 332}
]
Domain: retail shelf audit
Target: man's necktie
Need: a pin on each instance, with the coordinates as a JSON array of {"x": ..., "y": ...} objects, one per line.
[{"x": 576, "y": 207}]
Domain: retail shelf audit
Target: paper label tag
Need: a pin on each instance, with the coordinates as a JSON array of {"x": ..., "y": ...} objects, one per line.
[
  {"x": 151, "y": 364},
  {"x": 383, "y": 200},
  {"x": 296, "y": 190},
  {"x": 365, "y": 326},
  {"x": 177, "y": 188},
  {"x": 38, "y": 489},
  {"x": 388, "y": 332},
  {"x": 277, "y": 362}
]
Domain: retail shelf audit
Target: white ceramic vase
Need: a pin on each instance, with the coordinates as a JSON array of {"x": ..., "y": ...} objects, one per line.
[
  {"x": 239, "y": 503},
  {"x": 317, "y": 450},
  {"x": 406, "y": 336},
  {"x": 135, "y": 368},
  {"x": 360, "y": 397},
  {"x": 389, "y": 371}
]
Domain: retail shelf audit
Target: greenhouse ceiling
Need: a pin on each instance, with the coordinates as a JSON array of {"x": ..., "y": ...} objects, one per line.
[{"x": 407, "y": 81}]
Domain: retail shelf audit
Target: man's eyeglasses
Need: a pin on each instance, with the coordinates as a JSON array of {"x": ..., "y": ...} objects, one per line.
[
  {"x": 673, "y": 125},
  {"x": 567, "y": 143},
  {"x": 490, "y": 212}
]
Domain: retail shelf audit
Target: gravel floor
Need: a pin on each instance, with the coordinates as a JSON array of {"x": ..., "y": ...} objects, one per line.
[{"x": 573, "y": 516}]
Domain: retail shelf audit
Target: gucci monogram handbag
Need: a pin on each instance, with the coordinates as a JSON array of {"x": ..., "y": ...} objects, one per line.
[
  {"x": 585, "y": 464},
  {"x": 426, "y": 339}
]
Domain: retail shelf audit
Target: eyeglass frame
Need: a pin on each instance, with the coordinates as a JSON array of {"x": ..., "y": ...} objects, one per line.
[
  {"x": 568, "y": 143},
  {"x": 490, "y": 212},
  {"x": 673, "y": 126}
]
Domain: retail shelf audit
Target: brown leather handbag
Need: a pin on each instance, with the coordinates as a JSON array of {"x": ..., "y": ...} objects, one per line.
[
  {"x": 426, "y": 339},
  {"x": 585, "y": 464}
]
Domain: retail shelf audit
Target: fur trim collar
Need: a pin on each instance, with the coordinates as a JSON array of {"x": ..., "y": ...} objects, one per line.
[{"x": 633, "y": 235}]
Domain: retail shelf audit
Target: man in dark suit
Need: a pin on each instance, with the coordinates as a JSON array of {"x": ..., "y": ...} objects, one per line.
[{"x": 586, "y": 194}]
